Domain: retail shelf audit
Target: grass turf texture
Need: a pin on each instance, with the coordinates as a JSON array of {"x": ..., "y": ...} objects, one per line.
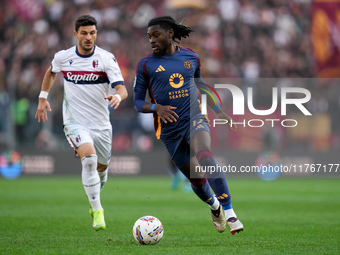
[{"x": 50, "y": 216}]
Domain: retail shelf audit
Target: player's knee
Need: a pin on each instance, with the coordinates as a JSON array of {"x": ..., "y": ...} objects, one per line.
[
  {"x": 89, "y": 162},
  {"x": 102, "y": 168},
  {"x": 203, "y": 154}
]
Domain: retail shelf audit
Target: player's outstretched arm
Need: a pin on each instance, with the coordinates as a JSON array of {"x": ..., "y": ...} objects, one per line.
[
  {"x": 43, "y": 104},
  {"x": 121, "y": 94}
]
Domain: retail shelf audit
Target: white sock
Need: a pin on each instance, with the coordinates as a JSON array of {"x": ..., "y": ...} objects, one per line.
[
  {"x": 91, "y": 181},
  {"x": 215, "y": 205},
  {"x": 229, "y": 213},
  {"x": 103, "y": 177}
]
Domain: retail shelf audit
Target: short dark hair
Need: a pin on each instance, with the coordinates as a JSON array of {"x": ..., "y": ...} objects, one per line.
[
  {"x": 167, "y": 23},
  {"x": 85, "y": 20}
]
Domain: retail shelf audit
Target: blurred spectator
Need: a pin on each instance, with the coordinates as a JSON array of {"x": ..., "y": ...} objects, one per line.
[{"x": 236, "y": 38}]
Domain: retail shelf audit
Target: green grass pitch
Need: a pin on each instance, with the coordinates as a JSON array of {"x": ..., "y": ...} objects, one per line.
[{"x": 49, "y": 215}]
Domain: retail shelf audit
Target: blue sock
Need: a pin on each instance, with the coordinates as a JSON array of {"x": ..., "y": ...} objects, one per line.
[
  {"x": 202, "y": 190},
  {"x": 218, "y": 183},
  {"x": 217, "y": 180},
  {"x": 228, "y": 206}
]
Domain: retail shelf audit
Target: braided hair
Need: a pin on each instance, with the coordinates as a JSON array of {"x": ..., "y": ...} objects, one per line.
[{"x": 167, "y": 23}]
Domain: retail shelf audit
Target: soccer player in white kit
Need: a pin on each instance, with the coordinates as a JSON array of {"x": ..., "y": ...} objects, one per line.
[{"x": 88, "y": 72}]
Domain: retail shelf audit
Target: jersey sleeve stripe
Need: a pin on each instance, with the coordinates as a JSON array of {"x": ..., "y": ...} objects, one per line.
[
  {"x": 117, "y": 83},
  {"x": 157, "y": 119},
  {"x": 52, "y": 69}
]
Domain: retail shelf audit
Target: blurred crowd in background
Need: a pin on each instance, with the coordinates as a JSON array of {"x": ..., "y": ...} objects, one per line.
[{"x": 244, "y": 39}]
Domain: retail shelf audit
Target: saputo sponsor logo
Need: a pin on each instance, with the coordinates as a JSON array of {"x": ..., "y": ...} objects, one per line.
[{"x": 78, "y": 77}]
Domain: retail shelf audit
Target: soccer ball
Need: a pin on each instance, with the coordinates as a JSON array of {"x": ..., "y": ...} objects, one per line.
[{"x": 148, "y": 230}]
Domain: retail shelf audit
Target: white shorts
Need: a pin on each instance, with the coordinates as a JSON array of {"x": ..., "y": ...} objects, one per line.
[{"x": 101, "y": 140}]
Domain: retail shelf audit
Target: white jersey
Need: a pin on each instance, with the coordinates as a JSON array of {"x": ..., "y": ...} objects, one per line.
[{"x": 87, "y": 80}]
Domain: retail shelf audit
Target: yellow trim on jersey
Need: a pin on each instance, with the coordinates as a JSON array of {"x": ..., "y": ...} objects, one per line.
[
  {"x": 159, "y": 127},
  {"x": 158, "y": 132}
]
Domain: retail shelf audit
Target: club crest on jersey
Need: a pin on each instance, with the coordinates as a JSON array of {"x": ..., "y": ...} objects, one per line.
[
  {"x": 187, "y": 64},
  {"x": 95, "y": 63},
  {"x": 71, "y": 61}
]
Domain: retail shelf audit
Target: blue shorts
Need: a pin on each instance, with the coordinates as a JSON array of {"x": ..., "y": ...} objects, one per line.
[{"x": 178, "y": 145}]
